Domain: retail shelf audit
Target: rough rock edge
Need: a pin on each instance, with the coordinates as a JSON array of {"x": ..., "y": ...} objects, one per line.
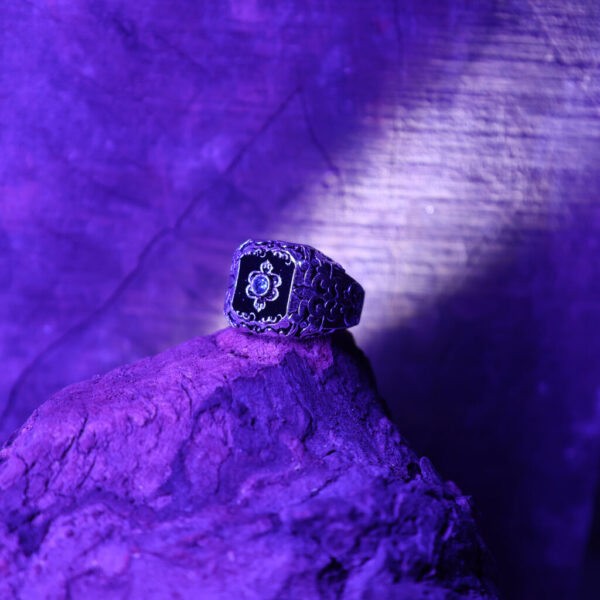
[{"x": 111, "y": 475}]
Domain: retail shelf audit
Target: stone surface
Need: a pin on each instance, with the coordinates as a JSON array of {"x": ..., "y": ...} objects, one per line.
[{"x": 231, "y": 466}]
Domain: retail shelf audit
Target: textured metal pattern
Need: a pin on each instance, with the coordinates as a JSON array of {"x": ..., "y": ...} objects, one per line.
[{"x": 321, "y": 299}]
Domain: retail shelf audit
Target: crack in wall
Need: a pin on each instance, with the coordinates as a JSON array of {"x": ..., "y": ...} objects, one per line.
[{"x": 126, "y": 281}]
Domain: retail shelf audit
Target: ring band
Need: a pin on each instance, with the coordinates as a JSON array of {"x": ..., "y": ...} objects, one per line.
[{"x": 290, "y": 289}]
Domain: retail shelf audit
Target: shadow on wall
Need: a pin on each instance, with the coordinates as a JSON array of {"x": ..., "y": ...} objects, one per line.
[
  {"x": 498, "y": 383},
  {"x": 591, "y": 567}
]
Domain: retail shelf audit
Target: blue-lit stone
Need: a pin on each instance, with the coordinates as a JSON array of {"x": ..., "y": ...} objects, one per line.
[{"x": 260, "y": 285}]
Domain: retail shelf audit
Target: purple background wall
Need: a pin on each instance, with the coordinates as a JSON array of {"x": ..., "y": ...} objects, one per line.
[{"x": 445, "y": 152}]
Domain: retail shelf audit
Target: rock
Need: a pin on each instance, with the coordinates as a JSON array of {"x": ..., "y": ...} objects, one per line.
[{"x": 231, "y": 466}]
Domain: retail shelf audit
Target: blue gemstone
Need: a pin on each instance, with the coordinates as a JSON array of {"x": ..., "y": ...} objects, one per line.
[{"x": 260, "y": 285}]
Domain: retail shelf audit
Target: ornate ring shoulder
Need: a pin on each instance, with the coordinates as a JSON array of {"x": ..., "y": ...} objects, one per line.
[{"x": 284, "y": 288}]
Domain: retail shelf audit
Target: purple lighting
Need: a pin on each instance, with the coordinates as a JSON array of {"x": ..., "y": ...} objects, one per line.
[{"x": 444, "y": 151}]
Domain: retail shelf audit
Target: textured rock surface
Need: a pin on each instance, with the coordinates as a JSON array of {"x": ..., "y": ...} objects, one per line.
[{"x": 230, "y": 467}]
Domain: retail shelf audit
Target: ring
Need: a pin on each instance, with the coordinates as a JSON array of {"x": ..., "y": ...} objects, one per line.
[{"x": 290, "y": 289}]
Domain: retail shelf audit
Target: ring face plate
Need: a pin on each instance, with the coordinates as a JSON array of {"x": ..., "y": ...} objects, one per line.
[{"x": 263, "y": 285}]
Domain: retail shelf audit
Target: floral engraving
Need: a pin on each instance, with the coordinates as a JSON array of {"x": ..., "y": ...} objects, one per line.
[{"x": 262, "y": 285}]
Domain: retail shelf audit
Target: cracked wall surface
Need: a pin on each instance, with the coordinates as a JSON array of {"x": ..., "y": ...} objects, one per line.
[{"x": 444, "y": 151}]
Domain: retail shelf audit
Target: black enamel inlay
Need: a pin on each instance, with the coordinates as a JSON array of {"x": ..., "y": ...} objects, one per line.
[{"x": 250, "y": 262}]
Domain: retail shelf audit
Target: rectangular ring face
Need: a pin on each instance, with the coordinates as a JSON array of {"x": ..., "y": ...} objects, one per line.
[{"x": 263, "y": 287}]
